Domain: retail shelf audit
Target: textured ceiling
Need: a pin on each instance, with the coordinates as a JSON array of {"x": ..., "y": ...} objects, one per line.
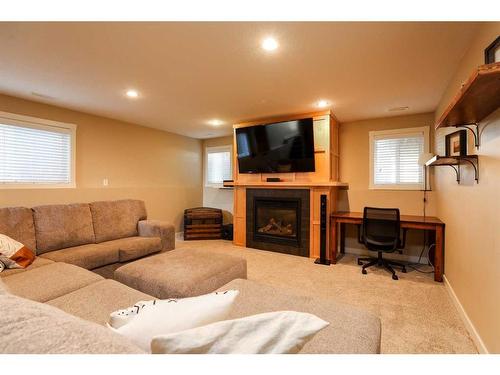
[{"x": 189, "y": 73}]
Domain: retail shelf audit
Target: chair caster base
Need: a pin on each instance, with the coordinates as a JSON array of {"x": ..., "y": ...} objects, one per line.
[
  {"x": 403, "y": 270},
  {"x": 394, "y": 277},
  {"x": 363, "y": 272},
  {"x": 360, "y": 263}
]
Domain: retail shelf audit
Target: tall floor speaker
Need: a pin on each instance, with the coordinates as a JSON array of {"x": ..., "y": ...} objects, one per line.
[{"x": 322, "y": 236}]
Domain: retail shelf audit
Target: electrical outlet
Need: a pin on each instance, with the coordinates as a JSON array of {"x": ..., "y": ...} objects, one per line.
[{"x": 105, "y": 182}]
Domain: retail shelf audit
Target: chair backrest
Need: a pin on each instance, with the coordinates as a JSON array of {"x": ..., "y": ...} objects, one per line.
[{"x": 381, "y": 227}]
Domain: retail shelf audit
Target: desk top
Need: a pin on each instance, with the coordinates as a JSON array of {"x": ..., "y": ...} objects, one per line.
[{"x": 403, "y": 218}]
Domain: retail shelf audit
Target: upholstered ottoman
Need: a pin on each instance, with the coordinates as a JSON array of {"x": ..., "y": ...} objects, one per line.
[{"x": 184, "y": 272}]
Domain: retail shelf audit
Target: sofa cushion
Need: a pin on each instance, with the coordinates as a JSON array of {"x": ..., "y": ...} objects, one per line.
[
  {"x": 48, "y": 282},
  {"x": 17, "y": 223},
  {"x": 95, "y": 302},
  {"x": 63, "y": 225},
  {"x": 116, "y": 219},
  {"x": 38, "y": 262},
  {"x": 34, "y": 328},
  {"x": 351, "y": 330},
  {"x": 135, "y": 247},
  {"x": 3, "y": 288},
  {"x": 86, "y": 256}
]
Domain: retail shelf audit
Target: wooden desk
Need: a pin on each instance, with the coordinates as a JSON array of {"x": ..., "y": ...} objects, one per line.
[{"x": 407, "y": 221}]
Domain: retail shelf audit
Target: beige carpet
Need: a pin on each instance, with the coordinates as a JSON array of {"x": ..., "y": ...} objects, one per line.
[{"x": 417, "y": 313}]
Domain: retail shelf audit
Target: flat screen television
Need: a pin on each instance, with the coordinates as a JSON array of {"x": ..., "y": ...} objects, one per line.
[{"x": 280, "y": 147}]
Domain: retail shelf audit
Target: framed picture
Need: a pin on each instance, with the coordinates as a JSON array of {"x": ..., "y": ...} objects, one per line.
[
  {"x": 456, "y": 143},
  {"x": 492, "y": 52}
]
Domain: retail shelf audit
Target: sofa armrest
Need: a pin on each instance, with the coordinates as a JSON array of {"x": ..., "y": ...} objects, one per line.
[{"x": 157, "y": 228}]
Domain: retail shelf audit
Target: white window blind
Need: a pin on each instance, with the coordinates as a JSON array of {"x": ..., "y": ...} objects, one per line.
[
  {"x": 395, "y": 158},
  {"x": 218, "y": 165},
  {"x": 35, "y": 154}
]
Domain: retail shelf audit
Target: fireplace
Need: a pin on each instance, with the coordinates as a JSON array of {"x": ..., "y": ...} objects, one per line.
[{"x": 278, "y": 220}]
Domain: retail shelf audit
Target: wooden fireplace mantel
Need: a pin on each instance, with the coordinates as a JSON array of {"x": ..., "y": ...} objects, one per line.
[
  {"x": 324, "y": 181},
  {"x": 288, "y": 184}
]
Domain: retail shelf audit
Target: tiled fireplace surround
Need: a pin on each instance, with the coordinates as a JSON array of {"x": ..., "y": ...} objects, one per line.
[{"x": 278, "y": 220}]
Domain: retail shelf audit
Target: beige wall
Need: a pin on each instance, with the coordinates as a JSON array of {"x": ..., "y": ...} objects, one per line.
[
  {"x": 472, "y": 212},
  {"x": 215, "y": 197},
  {"x": 163, "y": 169},
  {"x": 354, "y": 166},
  {"x": 354, "y": 169}
]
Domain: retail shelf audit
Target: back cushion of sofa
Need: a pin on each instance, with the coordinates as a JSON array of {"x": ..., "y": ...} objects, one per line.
[
  {"x": 117, "y": 219},
  {"x": 17, "y": 223},
  {"x": 63, "y": 225}
]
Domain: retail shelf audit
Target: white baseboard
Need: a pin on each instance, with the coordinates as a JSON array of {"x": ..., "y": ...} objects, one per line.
[
  {"x": 393, "y": 256},
  {"x": 481, "y": 348}
]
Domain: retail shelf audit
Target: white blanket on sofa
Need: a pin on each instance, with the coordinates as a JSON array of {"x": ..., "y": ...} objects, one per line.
[{"x": 269, "y": 333}]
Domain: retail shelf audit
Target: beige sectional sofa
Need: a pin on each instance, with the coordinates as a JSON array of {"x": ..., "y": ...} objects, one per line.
[
  {"x": 55, "y": 295},
  {"x": 56, "y": 305},
  {"x": 98, "y": 236}
]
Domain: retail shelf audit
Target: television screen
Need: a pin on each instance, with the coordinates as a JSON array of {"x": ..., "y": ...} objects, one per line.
[{"x": 276, "y": 148}]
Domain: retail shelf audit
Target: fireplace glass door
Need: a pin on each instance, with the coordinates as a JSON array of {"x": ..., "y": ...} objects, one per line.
[{"x": 277, "y": 220}]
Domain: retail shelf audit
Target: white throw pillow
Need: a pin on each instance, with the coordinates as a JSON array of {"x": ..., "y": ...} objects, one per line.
[
  {"x": 162, "y": 317},
  {"x": 269, "y": 333},
  {"x": 121, "y": 317}
]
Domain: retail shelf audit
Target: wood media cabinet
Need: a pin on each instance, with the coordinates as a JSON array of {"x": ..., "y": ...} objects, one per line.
[{"x": 323, "y": 181}]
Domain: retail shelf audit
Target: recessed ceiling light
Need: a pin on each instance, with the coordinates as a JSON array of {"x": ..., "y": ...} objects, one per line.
[
  {"x": 215, "y": 122},
  {"x": 396, "y": 109},
  {"x": 270, "y": 44},
  {"x": 132, "y": 94},
  {"x": 322, "y": 103}
]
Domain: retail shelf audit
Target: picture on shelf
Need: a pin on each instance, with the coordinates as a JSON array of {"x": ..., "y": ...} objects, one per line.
[
  {"x": 492, "y": 52},
  {"x": 456, "y": 143}
]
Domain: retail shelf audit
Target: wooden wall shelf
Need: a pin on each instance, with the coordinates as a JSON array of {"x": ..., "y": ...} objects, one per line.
[
  {"x": 478, "y": 98},
  {"x": 456, "y": 162}
]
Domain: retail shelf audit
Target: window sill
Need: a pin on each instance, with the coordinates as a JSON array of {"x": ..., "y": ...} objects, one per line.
[
  {"x": 4, "y": 186},
  {"x": 219, "y": 187},
  {"x": 397, "y": 187}
]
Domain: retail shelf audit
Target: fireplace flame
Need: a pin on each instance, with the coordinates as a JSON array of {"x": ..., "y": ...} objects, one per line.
[{"x": 277, "y": 227}]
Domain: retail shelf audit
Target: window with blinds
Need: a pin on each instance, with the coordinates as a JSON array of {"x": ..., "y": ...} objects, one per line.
[
  {"x": 218, "y": 165},
  {"x": 35, "y": 152},
  {"x": 394, "y": 158}
]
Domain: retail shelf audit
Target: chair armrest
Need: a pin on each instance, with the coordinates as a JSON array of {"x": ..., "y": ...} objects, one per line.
[{"x": 157, "y": 228}]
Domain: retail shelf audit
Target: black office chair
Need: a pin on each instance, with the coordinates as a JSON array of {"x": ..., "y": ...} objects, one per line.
[{"x": 380, "y": 232}]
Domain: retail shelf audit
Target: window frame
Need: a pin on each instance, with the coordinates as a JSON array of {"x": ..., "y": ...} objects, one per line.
[
  {"x": 49, "y": 125},
  {"x": 396, "y": 132},
  {"x": 213, "y": 149}
]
